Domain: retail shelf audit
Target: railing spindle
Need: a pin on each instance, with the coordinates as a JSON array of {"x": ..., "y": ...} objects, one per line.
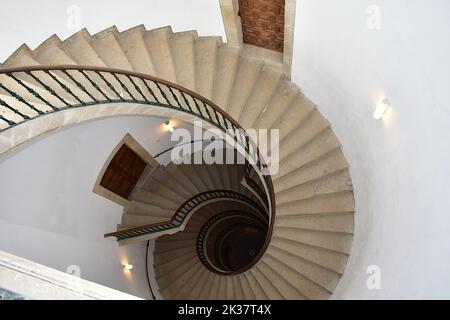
[
  {"x": 6, "y": 105},
  {"x": 136, "y": 87},
  {"x": 30, "y": 90},
  {"x": 21, "y": 99},
  {"x": 79, "y": 85},
  {"x": 96, "y": 87},
  {"x": 64, "y": 87},
  {"x": 53, "y": 92}
]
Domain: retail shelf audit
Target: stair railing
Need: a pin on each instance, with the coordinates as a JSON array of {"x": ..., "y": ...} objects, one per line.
[
  {"x": 27, "y": 93},
  {"x": 183, "y": 213}
]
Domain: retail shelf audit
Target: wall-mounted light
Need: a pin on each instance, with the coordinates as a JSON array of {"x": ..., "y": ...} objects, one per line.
[
  {"x": 381, "y": 109},
  {"x": 169, "y": 127},
  {"x": 127, "y": 267}
]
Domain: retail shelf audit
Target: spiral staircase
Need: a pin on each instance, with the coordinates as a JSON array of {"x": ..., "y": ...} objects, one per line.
[{"x": 306, "y": 209}]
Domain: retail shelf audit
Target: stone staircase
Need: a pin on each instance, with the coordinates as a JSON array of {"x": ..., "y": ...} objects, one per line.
[
  {"x": 161, "y": 191},
  {"x": 312, "y": 234}
]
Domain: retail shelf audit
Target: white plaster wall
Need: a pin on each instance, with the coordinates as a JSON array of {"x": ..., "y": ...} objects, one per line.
[
  {"x": 49, "y": 214},
  {"x": 400, "y": 166},
  {"x": 32, "y": 22}
]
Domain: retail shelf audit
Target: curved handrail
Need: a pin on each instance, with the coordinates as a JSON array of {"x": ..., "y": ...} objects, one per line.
[
  {"x": 182, "y": 213},
  {"x": 49, "y": 89}
]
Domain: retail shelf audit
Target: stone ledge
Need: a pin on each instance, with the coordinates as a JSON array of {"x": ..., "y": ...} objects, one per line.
[{"x": 37, "y": 282}]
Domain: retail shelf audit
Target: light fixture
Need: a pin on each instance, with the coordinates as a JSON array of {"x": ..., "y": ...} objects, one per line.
[
  {"x": 169, "y": 126},
  {"x": 381, "y": 109},
  {"x": 127, "y": 267}
]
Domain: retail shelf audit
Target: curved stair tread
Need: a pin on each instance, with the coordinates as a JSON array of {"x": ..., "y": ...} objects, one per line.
[
  {"x": 320, "y": 276},
  {"x": 282, "y": 285},
  {"x": 157, "y": 42},
  {"x": 246, "y": 76},
  {"x": 263, "y": 90},
  {"x": 266, "y": 284},
  {"x": 185, "y": 289},
  {"x": 78, "y": 48},
  {"x": 329, "y": 163},
  {"x": 205, "y": 49},
  {"x": 279, "y": 104},
  {"x": 245, "y": 287},
  {"x": 255, "y": 287},
  {"x": 324, "y": 258},
  {"x": 183, "y": 53},
  {"x": 169, "y": 278},
  {"x": 238, "y": 290},
  {"x": 329, "y": 183},
  {"x": 107, "y": 46},
  {"x": 338, "y": 242},
  {"x": 165, "y": 267},
  {"x": 133, "y": 46},
  {"x": 180, "y": 280},
  {"x": 338, "y": 202},
  {"x": 230, "y": 294},
  {"x": 227, "y": 62},
  {"x": 214, "y": 291},
  {"x": 306, "y": 288}
]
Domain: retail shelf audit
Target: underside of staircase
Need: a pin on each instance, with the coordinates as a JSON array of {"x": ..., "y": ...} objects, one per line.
[{"x": 314, "y": 208}]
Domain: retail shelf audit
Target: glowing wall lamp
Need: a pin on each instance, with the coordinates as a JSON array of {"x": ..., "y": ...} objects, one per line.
[
  {"x": 381, "y": 109},
  {"x": 127, "y": 267},
  {"x": 169, "y": 127}
]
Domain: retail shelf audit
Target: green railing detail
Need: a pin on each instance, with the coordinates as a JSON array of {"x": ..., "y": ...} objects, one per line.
[
  {"x": 183, "y": 212},
  {"x": 9, "y": 295}
]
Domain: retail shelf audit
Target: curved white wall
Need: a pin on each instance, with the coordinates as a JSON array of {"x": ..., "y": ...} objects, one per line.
[
  {"x": 400, "y": 166},
  {"x": 50, "y": 215}
]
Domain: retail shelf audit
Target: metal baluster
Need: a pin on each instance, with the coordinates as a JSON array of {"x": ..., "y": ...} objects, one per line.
[
  {"x": 186, "y": 101},
  {"x": 217, "y": 118},
  {"x": 3, "y": 103},
  {"x": 53, "y": 92},
  {"x": 62, "y": 85},
  {"x": 79, "y": 85},
  {"x": 30, "y": 90},
  {"x": 233, "y": 128},
  {"x": 21, "y": 99},
  {"x": 124, "y": 87},
  {"x": 137, "y": 88},
  {"x": 110, "y": 86},
  {"x": 150, "y": 90},
  {"x": 9, "y": 122},
  {"x": 94, "y": 85},
  {"x": 162, "y": 92},
  {"x": 198, "y": 108},
  {"x": 207, "y": 111},
  {"x": 175, "y": 96},
  {"x": 225, "y": 120}
]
